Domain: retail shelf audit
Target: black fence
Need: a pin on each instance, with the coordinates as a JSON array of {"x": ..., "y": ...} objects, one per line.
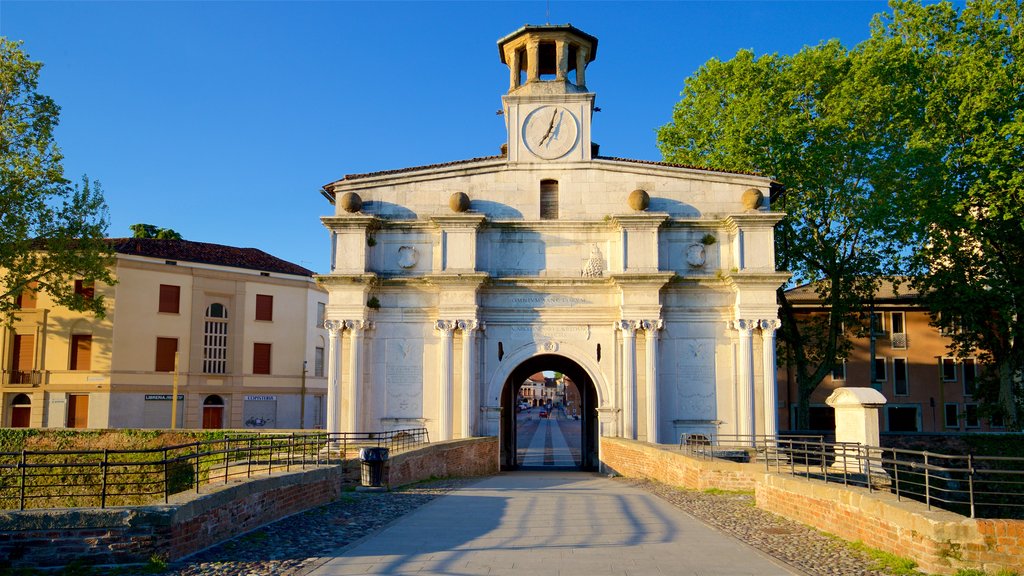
[
  {"x": 68, "y": 479},
  {"x": 974, "y": 486}
]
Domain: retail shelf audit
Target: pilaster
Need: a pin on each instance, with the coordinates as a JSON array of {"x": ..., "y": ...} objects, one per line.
[
  {"x": 771, "y": 412},
  {"x": 745, "y": 385}
]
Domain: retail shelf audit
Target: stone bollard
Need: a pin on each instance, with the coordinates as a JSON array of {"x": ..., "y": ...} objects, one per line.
[{"x": 857, "y": 423}]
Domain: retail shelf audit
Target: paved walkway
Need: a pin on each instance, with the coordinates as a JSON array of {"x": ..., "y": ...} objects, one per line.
[
  {"x": 548, "y": 523},
  {"x": 548, "y": 446}
]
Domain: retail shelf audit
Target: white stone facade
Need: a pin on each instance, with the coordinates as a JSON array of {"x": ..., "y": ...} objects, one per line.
[{"x": 666, "y": 305}]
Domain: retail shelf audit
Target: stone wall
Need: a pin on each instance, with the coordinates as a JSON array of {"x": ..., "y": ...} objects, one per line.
[
  {"x": 939, "y": 541},
  {"x": 191, "y": 522}
]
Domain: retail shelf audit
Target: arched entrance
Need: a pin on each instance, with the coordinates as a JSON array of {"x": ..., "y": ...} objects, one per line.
[
  {"x": 587, "y": 409},
  {"x": 21, "y": 411},
  {"x": 213, "y": 412}
]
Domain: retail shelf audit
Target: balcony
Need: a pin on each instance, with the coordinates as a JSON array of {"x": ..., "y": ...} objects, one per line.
[
  {"x": 22, "y": 378},
  {"x": 899, "y": 341}
]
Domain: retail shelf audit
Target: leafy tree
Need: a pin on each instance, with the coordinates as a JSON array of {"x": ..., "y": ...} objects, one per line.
[
  {"x": 822, "y": 123},
  {"x": 51, "y": 231},
  {"x": 969, "y": 201},
  {"x": 151, "y": 231}
]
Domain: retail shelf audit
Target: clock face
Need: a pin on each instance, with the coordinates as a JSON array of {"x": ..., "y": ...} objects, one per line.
[{"x": 550, "y": 132}]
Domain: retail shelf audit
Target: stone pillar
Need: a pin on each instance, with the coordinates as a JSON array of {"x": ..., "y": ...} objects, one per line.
[
  {"x": 333, "y": 328},
  {"x": 628, "y": 328},
  {"x": 513, "y": 65},
  {"x": 356, "y": 329},
  {"x": 581, "y": 65},
  {"x": 533, "y": 61},
  {"x": 562, "y": 59},
  {"x": 444, "y": 397},
  {"x": 651, "y": 328},
  {"x": 857, "y": 423},
  {"x": 745, "y": 386},
  {"x": 771, "y": 411},
  {"x": 469, "y": 411}
]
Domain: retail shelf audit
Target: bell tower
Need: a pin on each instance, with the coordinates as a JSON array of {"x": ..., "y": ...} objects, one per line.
[{"x": 548, "y": 109}]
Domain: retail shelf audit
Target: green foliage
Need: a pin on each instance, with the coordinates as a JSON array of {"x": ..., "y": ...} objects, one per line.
[
  {"x": 151, "y": 231},
  {"x": 373, "y": 303},
  {"x": 822, "y": 123},
  {"x": 51, "y": 230},
  {"x": 888, "y": 563}
]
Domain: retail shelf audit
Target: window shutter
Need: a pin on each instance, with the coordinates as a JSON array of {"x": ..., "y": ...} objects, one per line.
[
  {"x": 261, "y": 358},
  {"x": 165, "y": 350},
  {"x": 81, "y": 352},
  {"x": 27, "y": 298},
  {"x": 170, "y": 297},
  {"x": 264, "y": 307},
  {"x": 86, "y": 288},
  {"x": 24, "y": 352}
]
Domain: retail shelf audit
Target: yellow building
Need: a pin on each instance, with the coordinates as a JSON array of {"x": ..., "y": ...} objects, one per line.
[{"x": 246, "y": 329}]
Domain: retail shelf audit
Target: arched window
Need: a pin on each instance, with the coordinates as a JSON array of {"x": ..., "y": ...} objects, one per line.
[
  {"x": 548, "y": 199},
  {"x": 21, "y": 411},
  {"x": 215, "y": 340}
]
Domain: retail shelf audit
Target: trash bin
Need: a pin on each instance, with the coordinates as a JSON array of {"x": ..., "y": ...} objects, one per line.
[{"x": 373, "y": 460}]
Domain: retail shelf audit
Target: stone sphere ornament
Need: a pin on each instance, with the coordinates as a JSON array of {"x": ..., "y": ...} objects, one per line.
[
  {"x": 752, "y": 198},
  {"x": 459, "y": 202},
  {"x": 639, "y": 199},
  {"x": 351, "y": 202}
]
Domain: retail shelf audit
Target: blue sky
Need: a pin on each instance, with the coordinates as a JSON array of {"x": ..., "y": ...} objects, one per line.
[{"x": 222, "y": 120}]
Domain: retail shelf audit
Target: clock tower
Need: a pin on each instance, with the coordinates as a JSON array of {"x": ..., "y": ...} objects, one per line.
[{"x": 548, "y": 109}]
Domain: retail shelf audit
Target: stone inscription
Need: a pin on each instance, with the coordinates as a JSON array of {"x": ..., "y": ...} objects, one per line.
[
  {"x": 547, "y": 300},
  {"x": 695, "y": 378},
  {"x": 550, "y": 332},
  {"x": 404, "y": 376}
]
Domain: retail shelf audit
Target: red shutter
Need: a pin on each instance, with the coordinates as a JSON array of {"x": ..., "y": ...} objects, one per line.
[
  {"x": 165, "y": 351},
  {"x": 261, "y": 359},
  {"x": 87, "y": 288},
  {"x": 27, "y": 298},
  {"x": 264, "y": 307},
  {"x": 81, "y": 352},
  {"x": 170, "y": 296}
]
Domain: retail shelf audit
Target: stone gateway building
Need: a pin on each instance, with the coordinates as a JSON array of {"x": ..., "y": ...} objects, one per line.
[{"x": 650, "y": 285}]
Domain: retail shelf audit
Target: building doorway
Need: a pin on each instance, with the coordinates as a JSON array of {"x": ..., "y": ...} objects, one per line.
[
  {"x": 213, "y": 412},
  {"x": 549, "y": 416},
  {"x": 21, "y": 411}
]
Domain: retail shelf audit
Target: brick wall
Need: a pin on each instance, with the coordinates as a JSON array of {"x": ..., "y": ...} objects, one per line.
[
  {"x": 939, "y": 541},
  {"x": 191, "y": 522}
]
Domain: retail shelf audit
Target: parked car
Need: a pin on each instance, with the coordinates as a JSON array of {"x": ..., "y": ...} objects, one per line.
[{"x": 543, "y": 413}]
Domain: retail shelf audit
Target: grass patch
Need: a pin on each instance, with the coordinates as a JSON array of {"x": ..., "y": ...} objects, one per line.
[
  {"x": 976, "y": 572},
  {"x": 886, "y": 562},
  {"x": 720, "y": 492}
]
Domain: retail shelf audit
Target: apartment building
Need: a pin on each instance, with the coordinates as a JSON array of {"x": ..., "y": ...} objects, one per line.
[
  {"x": 927, "y": 388},
  {"x": 236, "y": 332}
]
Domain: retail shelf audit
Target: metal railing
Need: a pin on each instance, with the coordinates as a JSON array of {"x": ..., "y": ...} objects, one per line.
[
  {"x": 974, "y": 486},
  {"x": 103, "y": 478}
]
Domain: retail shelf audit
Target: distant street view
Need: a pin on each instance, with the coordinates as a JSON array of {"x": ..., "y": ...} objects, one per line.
[{"x": 548, "y": 425}]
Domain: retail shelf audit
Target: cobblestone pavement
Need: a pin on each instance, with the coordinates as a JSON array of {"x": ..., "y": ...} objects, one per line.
[
  {"x": 800, "y": 546},
  {"x": 298, "y": 544}
]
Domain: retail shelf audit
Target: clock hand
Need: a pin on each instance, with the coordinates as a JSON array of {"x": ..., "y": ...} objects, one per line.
[{"x": 551, "y": 127}]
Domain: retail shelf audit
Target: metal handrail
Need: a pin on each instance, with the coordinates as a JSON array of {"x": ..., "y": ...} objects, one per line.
[
  {"x": 74, "y": 478},
  {"x": 971, "y": 485}
]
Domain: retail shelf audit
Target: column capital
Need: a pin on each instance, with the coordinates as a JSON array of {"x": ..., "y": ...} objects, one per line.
[
  {"x": 333, "y": 326},
  {"x": 770, "y": 325},
  {"x": 446, "y": 326},
  {"x": 468, "y": 325},
  {"x": 356, "y": 325},
  {"x": 652, "y": 326},
  {"x": 627, "y": 326},
  {"x": 745, "y": 327}
]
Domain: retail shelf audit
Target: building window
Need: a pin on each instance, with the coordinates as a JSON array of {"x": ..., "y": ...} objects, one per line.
[
  {"x": 900, "y": 377},
  {"x": 970, "y": 368},
  {"x": 21, "y": 411},
  {"x": 264, "y": 307},
  {"x": 81, "y": 351},
  {"x": 902, "y": 418},
  {"x": 24, "y": 356},
  {"x": 898, "y": 338},
  {"x": 318, "y": 361},
  {"x": 166, "y": 349},
  {"x": 85, "y": 288},
  {"x": 996, "y": 421},
  {"x": 170, "y": 298},
  {"x": 261, "y": 358},
  {"x": 951, "y": 415},
  {"x": 78, "y": 411},
  {"x": 839, "y": 371},
  {"x": 27, "y": 298},
  {"x": 321, "y": 314},
  {"x": 877, "y": 324},
  {"x": 948, "y": 370},
  {"x": 215, "y": 340},
  {"x": 880, "y": 375},
  {"x": 971, "y": 416},
  {"x": 549, "y": 199}
]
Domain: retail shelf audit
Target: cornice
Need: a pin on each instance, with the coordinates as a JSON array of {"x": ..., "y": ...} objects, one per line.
[
  {"x": 469, "y": 220},
  {"x": 350, "y": 221},
  {"x": 550, "y": 281},
  {"x": 368, "y": 279},
  {"x": 639, "y": 220},
  {"x": 751, "y": 279},
  {"x": 753, "y": 219},
  {"x": 643, "y": 278},
  {"x": 464, "y": 279}
]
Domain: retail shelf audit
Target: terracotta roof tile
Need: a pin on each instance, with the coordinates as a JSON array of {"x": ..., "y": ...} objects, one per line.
[{"x": 204, "y": 253}]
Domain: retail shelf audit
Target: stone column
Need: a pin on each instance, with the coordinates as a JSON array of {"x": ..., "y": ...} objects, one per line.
[
  {"x": 513, "y": 65},
  {"x": 562, "y": 59},
  {"x": 745, "y": 386},
  {"x": 628, "y": 328},
  {"x": 533, "y": 61},
  {"x": 651, "y": 328},
  {"x": 333, "y": 328},
  {"x": 444, "y": 397},
  {"x": 771, "y": 412},
  {"x": 355, "y": 372},
  {"x": 468, "y": 328},
  {"x": 581, "y": 65}
]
